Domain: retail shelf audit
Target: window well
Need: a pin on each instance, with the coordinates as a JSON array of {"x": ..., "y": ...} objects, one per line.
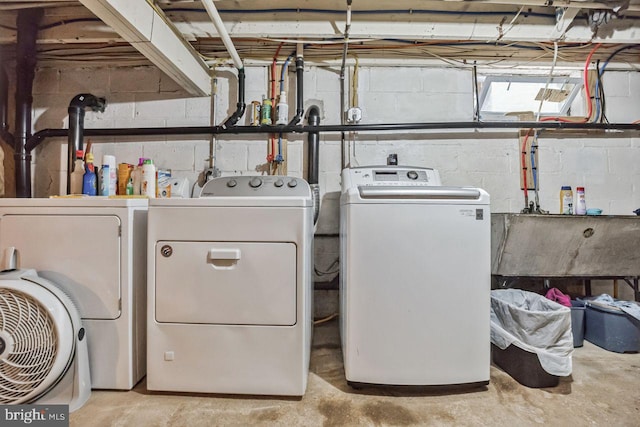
[{"x": 507, "y": 97}]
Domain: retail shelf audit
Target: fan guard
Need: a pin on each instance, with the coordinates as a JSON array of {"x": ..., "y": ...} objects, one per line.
[{"x": 33, "y": 334}]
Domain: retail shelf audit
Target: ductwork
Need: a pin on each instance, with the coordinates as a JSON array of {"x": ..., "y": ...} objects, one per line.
[
  {"x": 77, "y": 108},
  {"x": 27, "y": 23}
]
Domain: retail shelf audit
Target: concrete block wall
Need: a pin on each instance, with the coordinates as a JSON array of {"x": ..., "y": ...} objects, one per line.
[{"x": 143, "y": 96}]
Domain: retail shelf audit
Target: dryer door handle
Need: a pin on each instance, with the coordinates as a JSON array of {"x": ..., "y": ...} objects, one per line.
[{"x": 224, "y": 254}]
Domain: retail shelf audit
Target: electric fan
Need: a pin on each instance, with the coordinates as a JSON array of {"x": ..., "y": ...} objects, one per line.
[{"x": 43, "y": 348}]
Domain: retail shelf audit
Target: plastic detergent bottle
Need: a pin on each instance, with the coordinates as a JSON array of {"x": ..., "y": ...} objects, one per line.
[
  {"x": 148, "y": 187},
  {"x": 89, "y": 179},
  {"x": 566, "y": 200},
  {"x": 105, "y": 177},
  {"x": 111, "y": 179},
  {"x": 581, "y": 203},
  {"x": 75, "y": 182},
  {"x": 129, "y": 187},
  {"x": 136, "y": 174}
]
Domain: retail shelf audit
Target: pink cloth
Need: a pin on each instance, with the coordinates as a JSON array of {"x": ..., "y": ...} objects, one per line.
[{"x": 554, "y": 294}]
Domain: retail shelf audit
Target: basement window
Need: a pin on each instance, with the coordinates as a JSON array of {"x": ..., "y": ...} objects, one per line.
[{"x": 512, "y": 97}]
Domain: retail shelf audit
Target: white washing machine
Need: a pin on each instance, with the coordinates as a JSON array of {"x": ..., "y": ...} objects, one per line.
[
  {"x": 229, "y": 288},
  {"x": 414, "y": 279},
  {"x": 95, "y": 250}
]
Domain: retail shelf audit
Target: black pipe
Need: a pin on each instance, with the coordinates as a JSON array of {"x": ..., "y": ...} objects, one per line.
[
  {"x": 76, "y": 111},
  {"x": 4, "y": 107},
  {"x": 240, "y": 106},
  {"x": 27, "y": 23},
  {"x": 299, "y": 91},
  {"x": 40, "y": 136},
  {"x": 313, "y": 146}
]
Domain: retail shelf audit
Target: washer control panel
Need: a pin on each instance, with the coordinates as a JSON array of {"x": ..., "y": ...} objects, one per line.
[
  {"x": 268, "y": 185},
  {"x": 392, "y": 176}
]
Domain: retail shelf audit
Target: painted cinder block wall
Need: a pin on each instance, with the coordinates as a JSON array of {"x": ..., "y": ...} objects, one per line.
[{"x": 606, "y": 165}]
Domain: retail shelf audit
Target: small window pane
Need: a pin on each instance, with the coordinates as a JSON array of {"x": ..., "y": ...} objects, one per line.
[{"x": 504, "y": 95}]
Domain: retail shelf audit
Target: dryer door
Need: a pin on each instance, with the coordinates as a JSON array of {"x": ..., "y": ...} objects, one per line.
[
  {"x": 80, "y": 253},
  {"x": 232, "y": 283}
]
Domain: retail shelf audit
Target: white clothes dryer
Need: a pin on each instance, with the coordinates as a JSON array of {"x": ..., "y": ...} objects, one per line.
[
  {"x": 414, "y": 280},
  {"x": 94, "y": 249},
  {"x": 229, "y": 288}
]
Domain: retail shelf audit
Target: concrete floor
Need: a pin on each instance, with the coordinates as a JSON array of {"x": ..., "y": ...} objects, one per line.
[{"x": 603, "y": 390}]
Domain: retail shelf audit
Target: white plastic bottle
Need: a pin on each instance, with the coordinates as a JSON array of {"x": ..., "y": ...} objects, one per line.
[
  {"x": 77, "y": 174},
  {"x": 105, "y": 173},
  {"x": 581, "y": 203},
  {"x": 136, "y": 175},
  {"x": 148, "y": 186},
  {"x": 282, "y": 109},
  {"x": 112, "y": 178}
]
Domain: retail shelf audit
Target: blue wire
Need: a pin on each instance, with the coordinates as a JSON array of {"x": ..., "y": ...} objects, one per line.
[
  {"x": 534, "y": 171},
  {"x": 279, "y": 156},
  {"x": 284, "y": 70}
]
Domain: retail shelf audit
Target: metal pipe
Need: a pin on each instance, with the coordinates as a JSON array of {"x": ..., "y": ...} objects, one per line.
[
  {"x": 313, "y": 146},
  {"x": 76, "y": 111},
  {"x": 313, "y": 160},
  {"x": 222, "y": 32},
  {"x": 4, "y": 107},
  {"x": 299, "y": 86},
  {"x": 240, "y": 106},
  {"x": 345, "y": 47},
  {"x": 40, "y": 136},
  {"x": 27, "y": 23}
]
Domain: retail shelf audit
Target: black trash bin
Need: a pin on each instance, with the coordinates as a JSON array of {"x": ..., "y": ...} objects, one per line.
[{"x": 531, "y": 337}]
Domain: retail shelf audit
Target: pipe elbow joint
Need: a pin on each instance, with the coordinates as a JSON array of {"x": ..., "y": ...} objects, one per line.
[{"x": 87, "y": 100}]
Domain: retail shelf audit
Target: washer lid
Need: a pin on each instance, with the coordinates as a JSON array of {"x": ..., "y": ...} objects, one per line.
[
  {"x": 414, "y": 194},
  {"x": 76, "y": 201}
]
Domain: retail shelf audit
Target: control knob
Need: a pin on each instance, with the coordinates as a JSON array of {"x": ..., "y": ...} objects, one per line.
[
  {"x": 412, "y": 175},
  {"x": 292, "y": 183},
  {"x": 279, "y": 183},
  {"x": 232, "y": 183},
  {"x": 255, "y": 182}
]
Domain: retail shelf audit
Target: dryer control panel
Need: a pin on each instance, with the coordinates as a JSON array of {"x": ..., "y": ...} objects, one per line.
[
  {"x": 390, "y": 176},
  {"x": 252, "y": 186}
]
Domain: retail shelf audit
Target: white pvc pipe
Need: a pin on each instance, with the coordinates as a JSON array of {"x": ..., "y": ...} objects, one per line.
[{"x": 222, "y": 31}]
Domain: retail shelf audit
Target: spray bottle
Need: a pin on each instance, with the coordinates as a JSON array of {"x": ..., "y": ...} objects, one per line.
[
  {"x": 282, "y": 109},
  {"x": 89, "y": 180}
]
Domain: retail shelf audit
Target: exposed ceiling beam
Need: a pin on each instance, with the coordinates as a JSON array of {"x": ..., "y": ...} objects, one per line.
[
  {"x": 521, "y": 30},
  {"x": 149, "y": 32}
]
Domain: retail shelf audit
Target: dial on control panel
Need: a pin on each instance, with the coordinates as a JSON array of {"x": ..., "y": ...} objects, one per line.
[
  {"x": 279, "y": 183},
  {"x": 232, "y": 183},
  {"x": 412, "y": 175},
  {"x": 255, "y": 183},
  {"x": 292, "y": 183}
]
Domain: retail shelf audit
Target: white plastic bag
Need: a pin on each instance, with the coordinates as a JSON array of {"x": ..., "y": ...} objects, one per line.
[{"x": 534, "y": 324}]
